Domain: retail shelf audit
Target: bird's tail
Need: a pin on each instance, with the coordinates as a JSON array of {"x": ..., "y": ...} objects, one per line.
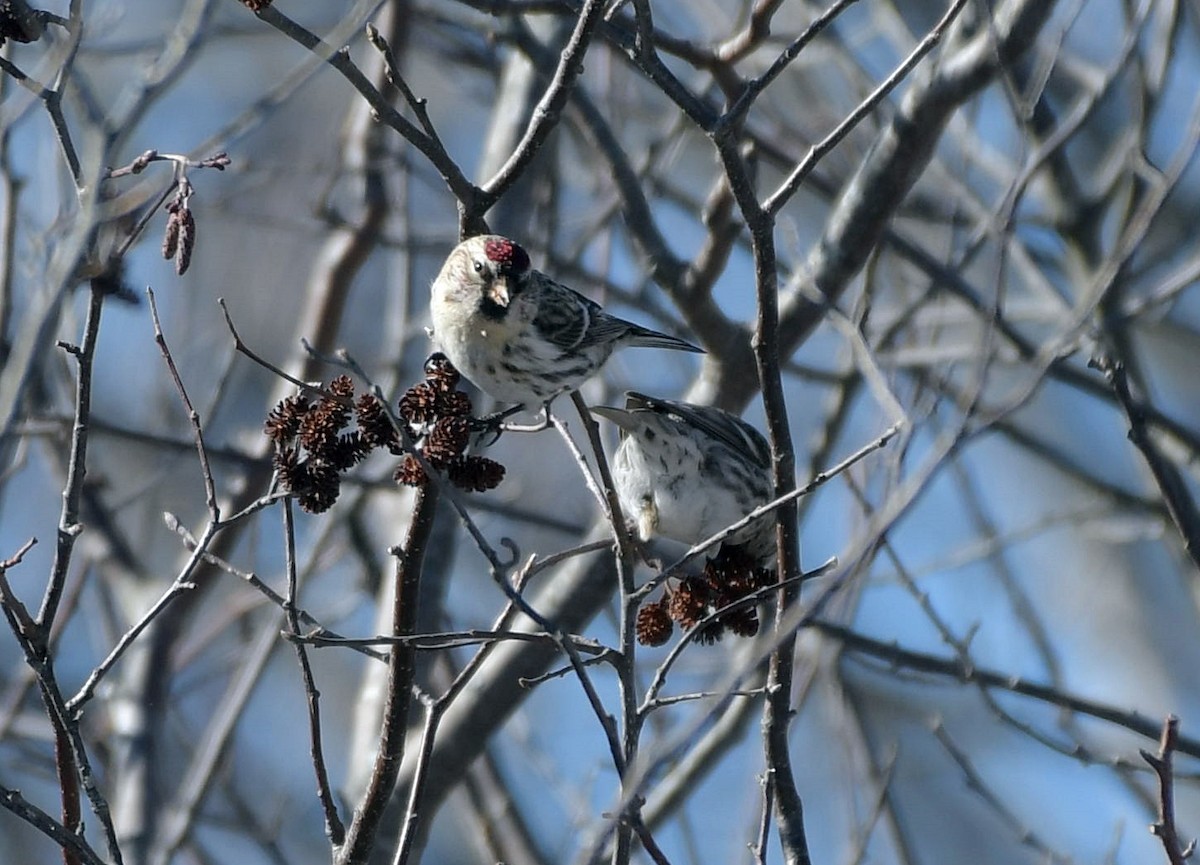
[{"x": 644, "y": 336}]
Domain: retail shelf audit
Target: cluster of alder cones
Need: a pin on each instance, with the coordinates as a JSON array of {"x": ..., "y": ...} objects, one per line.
[
  {"x": 315, "y": 446},
  {"x": 730, "y": 576}
]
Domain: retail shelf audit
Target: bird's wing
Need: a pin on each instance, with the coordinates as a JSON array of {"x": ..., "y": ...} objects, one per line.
[
  {"x": 569, "y": 320},
  {"x": 726, "y": 428}
]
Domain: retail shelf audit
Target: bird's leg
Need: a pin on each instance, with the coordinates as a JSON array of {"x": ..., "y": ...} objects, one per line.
[
  {"x": 494, "y": 423},
  {"x": 543, "y": 422},
  {"x": 496, "y": 418}
]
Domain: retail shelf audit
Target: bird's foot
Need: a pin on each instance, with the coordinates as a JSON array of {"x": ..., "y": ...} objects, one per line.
[{"x": 495, "y": 425}]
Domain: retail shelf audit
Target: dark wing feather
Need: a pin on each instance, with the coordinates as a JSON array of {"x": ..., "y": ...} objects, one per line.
[
  {"x": 726, "y": 428},
  {"x": 569, "y": 320}
]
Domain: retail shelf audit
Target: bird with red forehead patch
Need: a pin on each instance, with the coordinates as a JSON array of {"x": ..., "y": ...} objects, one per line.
[{"x": 518, "y": 335}]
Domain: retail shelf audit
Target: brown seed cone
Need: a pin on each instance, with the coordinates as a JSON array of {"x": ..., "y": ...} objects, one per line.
[
  {"x": 409, "y": 472},
  {"x": 440, "y": 373},
  {"x": 291, "y": 471},
  {"x": 475, "y": 474},
  {"x": 447, "y": 440},
  {"x": 710, "y": 633},
  {"x": 318, "y": 429},
  {"x": 731, "y": 566},
  {"x": 321, "y": 425},
  {"x": 373, "y": 423},
  {"x": 653, "y": 626},
  {"x": 283, "y": 422},
  {"x": 688, "y": 603},
  {"x": 419, "y": 405},
  {"x": 453, "y": 403},
  {"x": 323, "y": 488},
  {"x": 742, "y": 622},
  {"x": 349, "y": 450},
  {"x": 342, "y": 386}
]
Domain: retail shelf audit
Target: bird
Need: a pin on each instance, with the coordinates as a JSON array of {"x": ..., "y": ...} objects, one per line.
[
  {"x": 518, "y": 335},
  {"x": 685, "y": 472}
]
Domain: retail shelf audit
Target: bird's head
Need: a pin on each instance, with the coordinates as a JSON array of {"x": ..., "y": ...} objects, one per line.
[{"x": 497, "y": 267}]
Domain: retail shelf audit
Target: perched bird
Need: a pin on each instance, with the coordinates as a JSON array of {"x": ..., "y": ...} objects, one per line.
[
  {"x": 686, "y": 472},
  {"x": 517, "y": 334}
]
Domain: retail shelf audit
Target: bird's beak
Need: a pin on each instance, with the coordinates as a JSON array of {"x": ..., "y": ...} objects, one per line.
[
  {"x": 498, "y": 292},
  {"x": 619, "y": 416}
]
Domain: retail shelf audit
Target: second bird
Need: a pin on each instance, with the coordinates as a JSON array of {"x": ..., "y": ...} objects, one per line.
[
  {"x": 686, "y": 472},
  {"x": 518, "y": 335}
]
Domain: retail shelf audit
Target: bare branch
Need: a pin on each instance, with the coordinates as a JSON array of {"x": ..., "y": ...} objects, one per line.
[
  {"x": 548, "y": 111},
  {"x": 907, "y": 659},
  {"x": 16, "y": 804},
  {"x": 334, "y": 827},
  {"x": 360, "y": 835},
  {"x": 69, "y": 526},
  {"x": 1177, "y": 851},
  {"x": 1180, "y": 504}
]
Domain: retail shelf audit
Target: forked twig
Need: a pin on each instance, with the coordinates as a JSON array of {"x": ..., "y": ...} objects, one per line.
[{"x": 1162, "y": 763}]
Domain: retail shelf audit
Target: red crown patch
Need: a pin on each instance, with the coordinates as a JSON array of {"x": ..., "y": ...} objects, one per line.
[{"x": 510, "y": 256}]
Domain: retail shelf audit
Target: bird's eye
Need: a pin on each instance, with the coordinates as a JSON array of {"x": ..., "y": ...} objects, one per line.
[{"x": 479, "y": 267}]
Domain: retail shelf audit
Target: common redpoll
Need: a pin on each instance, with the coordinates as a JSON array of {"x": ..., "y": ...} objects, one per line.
[
  {"x": 517, "y": 334},
  {"x": 686, "y": 472}
]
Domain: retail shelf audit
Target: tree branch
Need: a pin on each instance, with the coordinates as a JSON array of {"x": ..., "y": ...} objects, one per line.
[{"x": 1177, "y": 852}]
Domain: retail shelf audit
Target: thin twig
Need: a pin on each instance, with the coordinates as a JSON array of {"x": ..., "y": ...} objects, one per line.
[
  {"x": 69, "y": 840},
  {"x": 458, "y": 183},
  {"x": 181, "y": 585},
  {"x": 976, "y": 782},
  {"x": 69, "y": 525},
  {"x": 68, "y": 761},
  {"x": 1166, "y": 829},
  {"x": 255, "y": 582},
  {"x": 897, "y": 159},
  {"x": 219, "y": 161},
  {"x": 631, "y": 718},
  {"x": 334, "y": 827},
  {"x": 581, "y": 461},
  {"x": 391, "y": 69},
  {"x": 17, "y": 612},
  {"x": 755, "y": 86},
  {"x": 897, "y": 657},
  {"x": 656, "y": 685},
  {"x": 439, "y": 641},
  {"x": 818, "y": 151},
  {"x": 548, "y": 111},
  {"x": 51, "y": 97},
  {"x": 71, "y": 760},
  {"x": 1180, "y": 504},
  {"x": 436, "y": 710},
  {"x": 208, "y": 758},
  {"x": 183, "y": 582},
  {"x": 245, "y": 349},
  {"x": 210, "y": 488}
]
